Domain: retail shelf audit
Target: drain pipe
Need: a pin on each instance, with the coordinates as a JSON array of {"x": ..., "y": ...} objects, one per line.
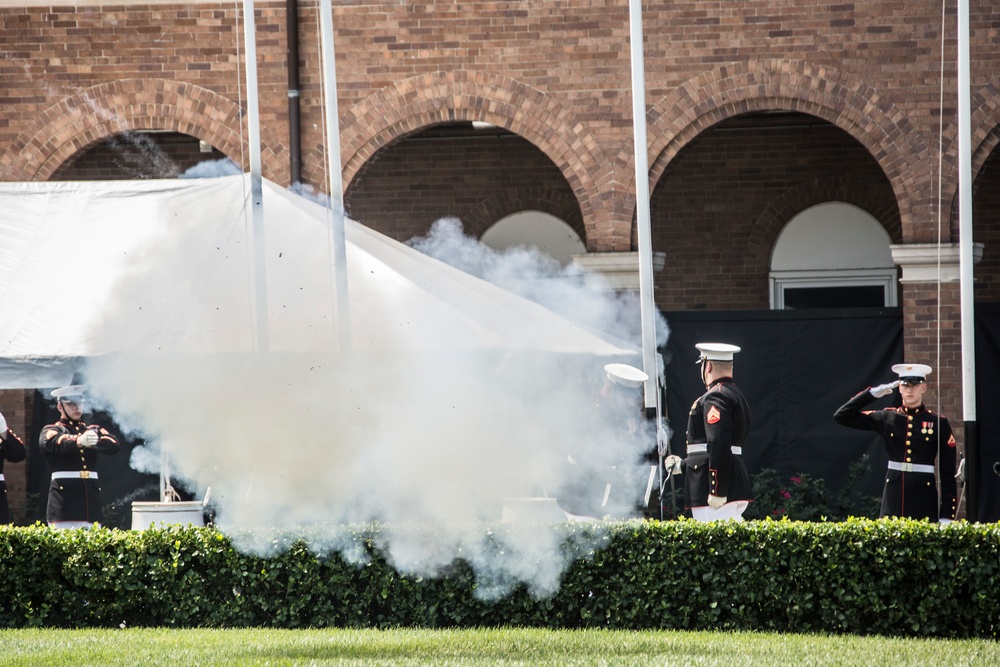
[{"x": 294, "y": 127}]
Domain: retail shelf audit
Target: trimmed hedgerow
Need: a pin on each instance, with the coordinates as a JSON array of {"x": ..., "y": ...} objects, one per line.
[{"x": 890, "y": 577}]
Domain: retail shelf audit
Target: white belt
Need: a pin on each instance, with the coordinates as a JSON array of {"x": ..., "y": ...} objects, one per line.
[
  {"x": 75, "y": 474},
  {"x": 700, "y": 448},
  {"x": 910, "y": 467}
]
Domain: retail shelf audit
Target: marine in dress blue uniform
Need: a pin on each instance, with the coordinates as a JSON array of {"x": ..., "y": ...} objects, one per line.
[
  {"x": 597, "y": 481},
  {"x": 914, "y": 438},
  {"x": 71, "y": 447},
  {"x": 11, "y": 449},
  {"x": 716, "y": 482}
]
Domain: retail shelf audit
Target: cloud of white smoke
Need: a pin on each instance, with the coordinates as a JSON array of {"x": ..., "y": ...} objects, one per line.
[{"x": 418, "y": 428}]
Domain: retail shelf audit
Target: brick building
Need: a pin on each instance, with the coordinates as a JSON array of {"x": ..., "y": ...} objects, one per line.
[{"x": 759, "y": 114}]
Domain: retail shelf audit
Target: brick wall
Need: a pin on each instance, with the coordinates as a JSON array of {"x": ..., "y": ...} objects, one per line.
[
  {"x": 410, "y": 184},
  {"x": 556, "y": 72},
  {"x": 720, "y": 206}
]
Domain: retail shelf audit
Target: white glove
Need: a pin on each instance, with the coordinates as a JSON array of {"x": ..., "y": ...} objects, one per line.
[
  {"x": 715, "y": 502},
  {"x": 672, "y": 464},
  {"x": 943, "y": 521},
  {"x": 87, "y": 439},
  {"x": 883, "y": 389},
  {"x": 3, "y": 424},
  {"x": 662, "y": 441}
]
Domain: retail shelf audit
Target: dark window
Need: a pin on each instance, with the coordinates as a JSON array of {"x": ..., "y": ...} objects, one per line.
[{"x": 835, "y": 297}]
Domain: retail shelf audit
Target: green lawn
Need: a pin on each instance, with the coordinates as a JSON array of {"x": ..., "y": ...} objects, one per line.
[{"x": 183, "y": 648}]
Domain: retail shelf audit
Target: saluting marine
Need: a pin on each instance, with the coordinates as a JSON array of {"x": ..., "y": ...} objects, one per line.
[
  {"x": 914, "y": 437},
  {"x": 716, "y": 482},
  {"x": 70, "y": 447}
]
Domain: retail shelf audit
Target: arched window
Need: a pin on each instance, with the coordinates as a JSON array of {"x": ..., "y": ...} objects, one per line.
[
  {"x": 832, "y": 255},
  {"x": 534, "y": 228}
]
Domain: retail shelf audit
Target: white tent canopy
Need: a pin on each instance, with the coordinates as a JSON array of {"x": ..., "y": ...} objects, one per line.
[{"x": 98, "y": 268}]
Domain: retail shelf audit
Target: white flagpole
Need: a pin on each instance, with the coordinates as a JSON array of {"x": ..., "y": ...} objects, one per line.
[
  {"x": 646, "y": 303},
  {"x": 335, "y": 174},
  {"x": 965, "y": 264},
  {"x": 256, "y": 184}
]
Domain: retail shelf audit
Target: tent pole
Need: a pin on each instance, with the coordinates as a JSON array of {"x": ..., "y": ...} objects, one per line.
[
  {"x": 335, "y": 172},
  {"x": 256, "y": 184},
  {"x": 965, "y": 266}
]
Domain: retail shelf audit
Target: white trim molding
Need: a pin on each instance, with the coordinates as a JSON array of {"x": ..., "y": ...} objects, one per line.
[
  {"x": 931, "y": 262},
  {"x": 620, "y": 269}
]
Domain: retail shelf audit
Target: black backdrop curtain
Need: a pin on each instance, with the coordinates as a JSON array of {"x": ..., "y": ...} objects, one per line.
[
  {"x": 987, "y": 320},
  {"x": 796, "y": 368}
]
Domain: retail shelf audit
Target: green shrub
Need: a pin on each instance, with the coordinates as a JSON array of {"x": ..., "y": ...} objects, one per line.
[{"x": 891, "y": 577}]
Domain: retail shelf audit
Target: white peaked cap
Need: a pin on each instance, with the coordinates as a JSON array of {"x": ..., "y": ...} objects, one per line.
[
  {"x": 911, "y": 371},
  {"x": 70, "y": 391},
  {"x": 625, "y": 375},
  {"x": 717, "y": 351}
]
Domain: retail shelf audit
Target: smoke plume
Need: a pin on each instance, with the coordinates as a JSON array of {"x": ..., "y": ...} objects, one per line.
[{"x": 418, "y": 424}]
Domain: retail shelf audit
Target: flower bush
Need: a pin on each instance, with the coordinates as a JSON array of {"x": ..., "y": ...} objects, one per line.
[{"x": 803, "y": 497}]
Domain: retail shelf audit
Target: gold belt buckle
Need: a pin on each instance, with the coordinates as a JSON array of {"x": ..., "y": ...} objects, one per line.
[{"x": 84, "y": 474}]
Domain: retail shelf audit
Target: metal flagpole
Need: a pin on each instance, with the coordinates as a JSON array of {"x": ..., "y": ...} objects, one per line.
[
  {"x": 642, "y": 206},
  {"x": 646, "y": 303},
  {"x": 965, "y": 266},
  {"x": 256, "y": 184},
  {"x": 335, "y": 174}
]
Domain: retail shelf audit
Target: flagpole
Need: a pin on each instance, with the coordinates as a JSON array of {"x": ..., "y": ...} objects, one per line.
[
  {"x": 336, "y": 178},
  {"x": 646, "y": 303},
  {"x": 965, "y": 257},
  {"x": 256, "y": 181}
]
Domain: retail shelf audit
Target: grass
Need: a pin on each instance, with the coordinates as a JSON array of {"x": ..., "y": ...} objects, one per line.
[{"x": 140, "y": 647}]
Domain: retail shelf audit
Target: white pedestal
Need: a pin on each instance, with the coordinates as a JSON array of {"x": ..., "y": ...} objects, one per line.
[{"x": 146, "y": 514}]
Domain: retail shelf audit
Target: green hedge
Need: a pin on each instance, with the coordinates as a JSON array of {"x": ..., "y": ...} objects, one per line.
[{"x": 891, "y": 577}]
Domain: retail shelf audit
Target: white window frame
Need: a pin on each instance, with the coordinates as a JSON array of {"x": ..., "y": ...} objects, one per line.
[{"x": 782, "y": 280}]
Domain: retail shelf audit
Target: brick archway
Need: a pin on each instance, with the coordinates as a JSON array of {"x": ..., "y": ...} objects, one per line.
[
  {"x": 428, "y": 99},
  {"x": 985, "y": 123},
  {"x": 758, "y": 85},
  {"x": 89, "y": 115},
  {"x": 767, "y": 227},
  {"x": 554, "y": 202}
]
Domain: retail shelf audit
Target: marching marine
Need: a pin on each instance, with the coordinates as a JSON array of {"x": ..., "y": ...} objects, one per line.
[{"x": 716, "y": 483}]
